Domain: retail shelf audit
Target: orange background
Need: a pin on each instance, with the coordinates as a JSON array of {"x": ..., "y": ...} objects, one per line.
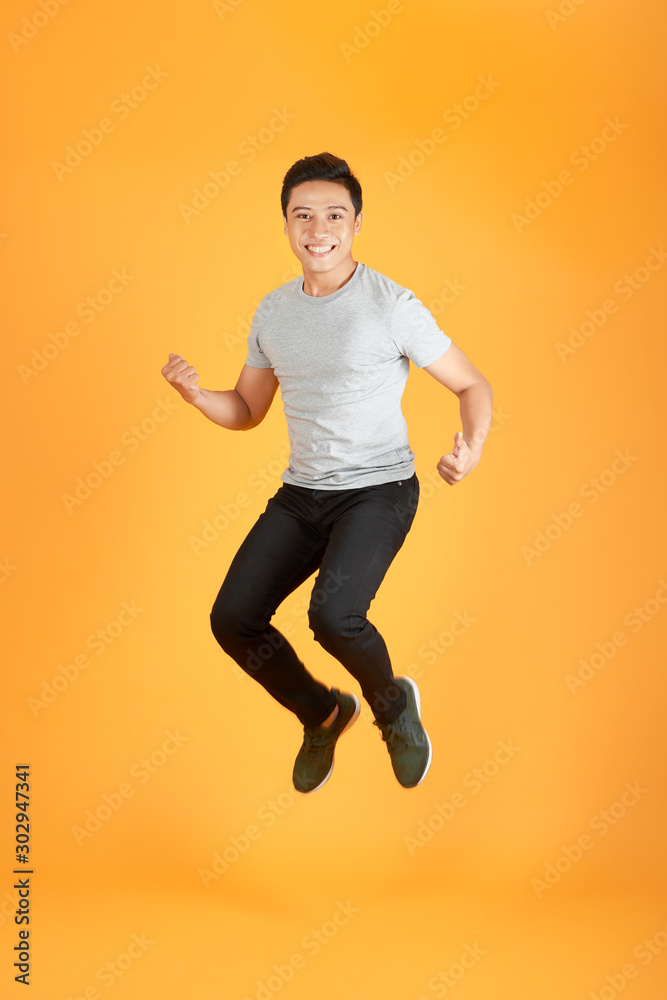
[{"x": 394, "y": 913}]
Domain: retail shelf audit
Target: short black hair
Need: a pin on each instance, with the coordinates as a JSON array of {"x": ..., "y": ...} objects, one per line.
[{"x": 323, "y": 167}]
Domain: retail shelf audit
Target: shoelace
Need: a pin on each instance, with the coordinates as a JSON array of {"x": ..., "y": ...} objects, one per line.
[
  {"x": 396, "y": 734},
  {"x": 316, "y": 741}
]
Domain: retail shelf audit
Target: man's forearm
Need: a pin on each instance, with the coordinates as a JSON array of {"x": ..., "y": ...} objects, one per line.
[
  {"x": 476, "y": 404},
  {"x": 224, "y": 407}
]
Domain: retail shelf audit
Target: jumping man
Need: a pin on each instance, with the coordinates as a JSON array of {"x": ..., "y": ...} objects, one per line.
[{"x": 338, "y": 341}]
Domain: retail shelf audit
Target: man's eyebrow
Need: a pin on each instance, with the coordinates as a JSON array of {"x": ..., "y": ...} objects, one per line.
[{"x": 298, "y": 208}]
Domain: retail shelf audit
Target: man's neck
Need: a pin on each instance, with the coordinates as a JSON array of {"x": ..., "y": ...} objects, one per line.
[{"x": 319, "y": 285}]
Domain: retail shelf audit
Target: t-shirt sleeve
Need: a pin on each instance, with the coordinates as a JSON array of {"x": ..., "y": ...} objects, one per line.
[
  {"x": 256, "y": 357},
  {"x": 415, "y": 331}
]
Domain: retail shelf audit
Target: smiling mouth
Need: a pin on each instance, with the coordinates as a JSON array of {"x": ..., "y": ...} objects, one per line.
[{"x": 318, "y": 250}]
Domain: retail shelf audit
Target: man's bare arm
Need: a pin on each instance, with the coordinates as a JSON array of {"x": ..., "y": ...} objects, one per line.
[
  {"x": 237, "y": 409},
  {"x": 457, "y": 373}
]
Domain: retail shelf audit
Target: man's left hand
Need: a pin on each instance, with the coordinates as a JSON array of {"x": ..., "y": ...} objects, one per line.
[{"x": 462, "y": 460}]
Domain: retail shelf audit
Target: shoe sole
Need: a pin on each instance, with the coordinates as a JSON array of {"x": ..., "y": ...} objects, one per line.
[
  {"x": 415, "y": 690},
  {"x": 353, "y": 719}
]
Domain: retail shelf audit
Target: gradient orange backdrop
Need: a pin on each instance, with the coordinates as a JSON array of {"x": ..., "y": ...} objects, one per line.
[{"x": 511, "y": 156}]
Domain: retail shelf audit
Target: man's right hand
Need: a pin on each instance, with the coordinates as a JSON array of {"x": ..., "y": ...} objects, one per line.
[{"x": 183, "y": 377}]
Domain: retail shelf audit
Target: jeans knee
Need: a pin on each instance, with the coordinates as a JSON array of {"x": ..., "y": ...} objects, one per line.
[
  {"x": 329, "y": 623},
  {"x": 224, "y": 624}
]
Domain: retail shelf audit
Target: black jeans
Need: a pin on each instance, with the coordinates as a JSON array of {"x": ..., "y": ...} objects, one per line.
[{"x": 350, "y": 537}]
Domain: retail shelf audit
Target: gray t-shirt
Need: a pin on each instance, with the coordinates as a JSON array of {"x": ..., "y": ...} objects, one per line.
[{"x": 342, "y": 361}]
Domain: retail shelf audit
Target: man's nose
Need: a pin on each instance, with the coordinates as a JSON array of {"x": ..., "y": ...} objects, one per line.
[{"x": 318, "y": 228}]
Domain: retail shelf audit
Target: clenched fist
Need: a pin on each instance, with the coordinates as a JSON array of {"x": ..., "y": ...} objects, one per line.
[
  {"x": 182, "y": 376},
  {"x": 460, "y": 461}
]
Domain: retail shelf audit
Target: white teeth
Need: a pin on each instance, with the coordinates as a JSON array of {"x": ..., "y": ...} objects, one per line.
[{"x": 320, "y": 249}]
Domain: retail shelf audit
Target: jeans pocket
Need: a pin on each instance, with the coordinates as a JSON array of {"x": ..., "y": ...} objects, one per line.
[{"x": 406, "y": 503}]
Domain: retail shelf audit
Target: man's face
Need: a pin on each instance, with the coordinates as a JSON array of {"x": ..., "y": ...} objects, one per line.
[{"x": 321, "y": 226}]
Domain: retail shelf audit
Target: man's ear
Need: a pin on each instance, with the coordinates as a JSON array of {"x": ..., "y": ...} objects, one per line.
[
  {"x": 358, "y": 221},
  {"x": 285, "y": 225}
]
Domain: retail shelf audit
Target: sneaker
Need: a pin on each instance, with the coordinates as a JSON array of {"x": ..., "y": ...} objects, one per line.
[
  {"x": 407, "y": 741},
  {"x": 315, "y": 760}
]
